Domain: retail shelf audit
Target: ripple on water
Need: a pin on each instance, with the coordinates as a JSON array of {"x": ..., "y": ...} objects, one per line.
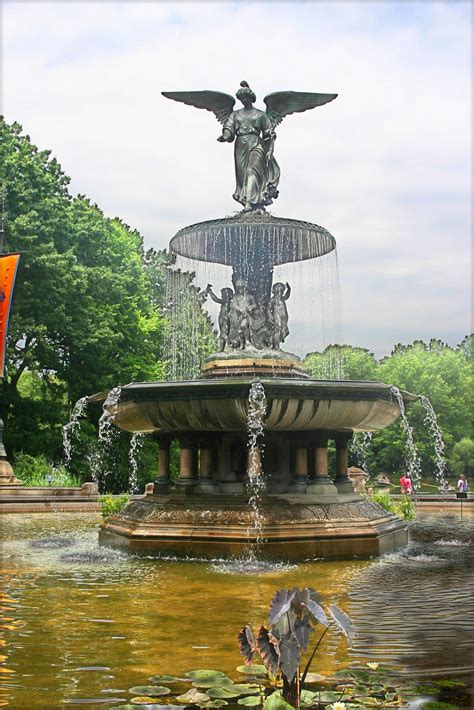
[{"x": 415, "y": 608}]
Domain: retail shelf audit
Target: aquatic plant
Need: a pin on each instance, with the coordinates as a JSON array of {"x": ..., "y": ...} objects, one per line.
[
  {"x": 110, "y": 505},
  {"x": 293, "y": 615}
]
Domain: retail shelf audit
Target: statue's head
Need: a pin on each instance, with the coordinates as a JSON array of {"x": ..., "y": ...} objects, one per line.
[
  {"x": 227, "y": 294},
  {"x": 278, "y": 289},
  {"x": 240, "y": 286},
  {"x": 245, "y": 94}
]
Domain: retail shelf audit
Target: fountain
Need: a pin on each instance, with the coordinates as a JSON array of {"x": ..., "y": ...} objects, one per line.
[{"x": 231, "y": 496}]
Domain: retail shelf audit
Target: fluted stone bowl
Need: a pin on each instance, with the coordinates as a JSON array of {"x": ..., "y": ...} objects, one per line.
[
  {"x": 255, "y": 236},
  {"x": 222, "y": 405}
]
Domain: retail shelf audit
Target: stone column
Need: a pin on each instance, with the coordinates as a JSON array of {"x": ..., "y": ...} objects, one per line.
[
  {"x": 206, "y": 484},
  {"x": 163, "y": 478},
  {"x": 321, "y": 483},
  {"x": 343, "y": 482},
  {"x": 186, "y": 464},
  {"x": 301, "y": 469}
]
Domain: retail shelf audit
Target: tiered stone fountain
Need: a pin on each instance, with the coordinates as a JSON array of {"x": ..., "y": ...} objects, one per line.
[{"x": 302, "y": 513}]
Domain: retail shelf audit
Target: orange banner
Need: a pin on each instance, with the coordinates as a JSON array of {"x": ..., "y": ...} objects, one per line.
[{"x": 8, "y": 269}]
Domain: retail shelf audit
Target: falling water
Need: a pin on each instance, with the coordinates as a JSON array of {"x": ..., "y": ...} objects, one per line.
[
  {"x": 136, "y": 443},
  {"x": 413, "y": 459},
  {"x": 256, "y": 481},
  {"x": 438, "y": 443},
  {"x": 100, "y": 453},
  {"x": 71, "y": 429},
  {"x": 360, "y": 446},
  {"x": 189, "y": 329}
]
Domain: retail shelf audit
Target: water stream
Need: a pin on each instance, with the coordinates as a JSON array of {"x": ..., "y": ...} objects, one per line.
[
  {"x": 438, "y": 443},
  {"x": 413, "y": 458},
  {"x": 136, "y": 443},
  {"x": 256, "y": 412},
  {"x": 70, "y": 431}
]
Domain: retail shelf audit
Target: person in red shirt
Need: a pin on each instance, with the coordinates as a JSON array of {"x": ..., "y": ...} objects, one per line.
[{"x": 406, "y": 484}]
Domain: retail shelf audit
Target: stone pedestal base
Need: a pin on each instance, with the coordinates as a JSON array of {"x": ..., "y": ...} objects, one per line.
[{"x": 294, "y": 527}]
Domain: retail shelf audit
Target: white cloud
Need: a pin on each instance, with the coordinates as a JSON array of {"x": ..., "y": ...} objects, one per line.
[{"x": 385, "y": 167}]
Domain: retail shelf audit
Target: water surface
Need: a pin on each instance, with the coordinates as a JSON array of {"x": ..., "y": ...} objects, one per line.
[{"x": 82, "y": 623}]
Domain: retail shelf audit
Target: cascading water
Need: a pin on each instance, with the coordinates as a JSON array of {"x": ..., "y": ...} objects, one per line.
[
  {"x": 413, "y": 458},
  {"x": 136, "y": 443},
  {"x": 359, "y": 447},
  {"x": 71, "y": 429},
  {"x": 438, "y": 443},
  {"x": 105, "y": 440},
  {"x": 257, "y": 405}
]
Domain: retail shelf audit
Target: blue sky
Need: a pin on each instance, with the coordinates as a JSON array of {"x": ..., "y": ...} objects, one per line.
[{"x": 385, "y": 167}]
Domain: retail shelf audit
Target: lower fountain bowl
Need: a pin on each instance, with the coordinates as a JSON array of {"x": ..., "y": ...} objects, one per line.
[{"x": 292, "y": 527}]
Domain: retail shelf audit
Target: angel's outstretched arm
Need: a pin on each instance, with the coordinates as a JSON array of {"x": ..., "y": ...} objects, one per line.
[{"x": 288, "y": 292}]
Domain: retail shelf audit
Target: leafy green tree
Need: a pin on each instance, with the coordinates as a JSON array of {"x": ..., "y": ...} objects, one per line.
[
  {"x": 355, "y": 363},
  {"x": 82, "y": 317},
  {"x": 444, "y": 375},
  {"x": 462, "y": 458}
]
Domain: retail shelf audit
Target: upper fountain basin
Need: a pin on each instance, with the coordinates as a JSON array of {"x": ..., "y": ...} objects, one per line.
[
  {"x": 222, "y": 404},
  {"x": 247, "y": 236}
]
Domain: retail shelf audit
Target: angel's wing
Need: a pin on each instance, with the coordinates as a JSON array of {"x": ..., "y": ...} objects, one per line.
[
  {"x": 282, "y": 103},
  {"x": 220, "y": 104}
]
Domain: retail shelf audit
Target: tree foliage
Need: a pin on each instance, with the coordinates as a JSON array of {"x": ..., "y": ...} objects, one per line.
[
  {"x": 83, "y": 319},
  {"x": 436, "y": 370}
]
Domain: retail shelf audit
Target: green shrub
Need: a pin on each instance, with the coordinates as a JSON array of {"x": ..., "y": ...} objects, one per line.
[
  {"x": 405, "y": 508},
  {"x": 36, "y": 470},
  {"x": 109, "y": 505},
  {"x": 385, "y": 501}
]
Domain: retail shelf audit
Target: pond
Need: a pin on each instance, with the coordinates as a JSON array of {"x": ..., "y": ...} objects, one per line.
[{"x": 82, "y": 624}]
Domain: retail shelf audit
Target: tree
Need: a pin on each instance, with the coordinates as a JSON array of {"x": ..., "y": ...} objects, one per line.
[
  {"x": 353, "y": 363},
  {"x": 82, "y": 320},
  {"x": 462, "y": 458}
]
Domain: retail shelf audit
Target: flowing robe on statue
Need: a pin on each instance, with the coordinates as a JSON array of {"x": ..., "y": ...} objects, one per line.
[{"x": 256, "y": 175}]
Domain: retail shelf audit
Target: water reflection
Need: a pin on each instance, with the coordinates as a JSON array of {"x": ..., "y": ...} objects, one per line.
[{"x": 83, "y": 624}]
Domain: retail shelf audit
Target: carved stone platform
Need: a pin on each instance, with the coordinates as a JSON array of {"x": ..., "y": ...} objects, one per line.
[
  {"x": 294, "y": 527},
  {"x": 253, "y": 363}
]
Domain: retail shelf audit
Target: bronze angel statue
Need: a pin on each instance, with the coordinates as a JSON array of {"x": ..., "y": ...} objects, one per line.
[{"x": 256, "y": 171}]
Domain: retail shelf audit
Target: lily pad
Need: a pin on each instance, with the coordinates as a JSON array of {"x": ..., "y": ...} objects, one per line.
[
  {"x": 314, "y": 678},
  {"x": 212, "y": 682},
  {"x": 193, "y": 697},
  {"x": 152, "y": 691},
  {"x": 244, "y": 688},
  {"x": 205, "y": 675},
  {"x": 250, "y": 701},
  {"x": 151, "y": 706},
  {"x": 276, "y": 702},
  {"x": 224, "y": 692},
  {"x": 307, "y": 698},
  {"x": 167, "y": 679},
  {"x": 216, "y": 703},
  {"x": 252, "y": 669},
  {"x": 143, "y": 700}
]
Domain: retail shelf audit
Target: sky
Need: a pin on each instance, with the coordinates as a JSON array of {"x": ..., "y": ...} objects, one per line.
[{"x": 386, "y": 167}]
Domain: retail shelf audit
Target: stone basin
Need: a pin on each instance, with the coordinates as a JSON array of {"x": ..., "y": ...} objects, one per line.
[{"x": 221, "y": 405}]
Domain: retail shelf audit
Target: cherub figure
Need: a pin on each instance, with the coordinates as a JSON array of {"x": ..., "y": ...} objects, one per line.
[
  {"x": 242, "y": 311},
  {"x": 224, "y": 314},
  {"x": 277, "y": 314}
]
